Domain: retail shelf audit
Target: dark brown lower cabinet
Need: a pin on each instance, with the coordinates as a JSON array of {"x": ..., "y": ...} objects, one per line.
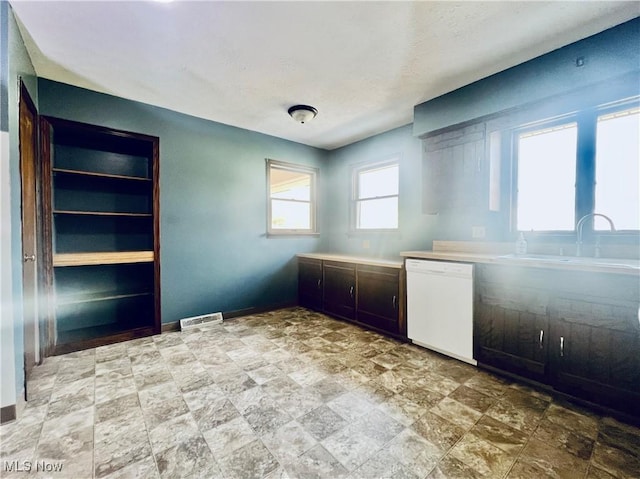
[
  {"x": 369, "y": 295},
  {"x": 578, "y": 332},
  {"x": 379, "y": 298},
  {"x": 595, "y": 350},
  {"x": 511, "y": 325},
  {"x": 339, "y": 292},
  {"x": 310, "y": 283}
]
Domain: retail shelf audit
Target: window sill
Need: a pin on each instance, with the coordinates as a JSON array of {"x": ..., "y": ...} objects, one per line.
[
  {"x": 292, "y": 234},
  {"x": 623, "y": 236},
  {"x": 363, "y": 233}
]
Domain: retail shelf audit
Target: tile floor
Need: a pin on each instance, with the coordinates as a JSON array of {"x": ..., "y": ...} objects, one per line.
[{"x": 295, "y": 394}]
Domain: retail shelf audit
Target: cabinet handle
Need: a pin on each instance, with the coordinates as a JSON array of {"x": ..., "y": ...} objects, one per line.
[
  {"x": 541, "y": 338},
  {"x": 351, "y": 291},
  {"x": 28, "y": 258},
  {"x": 319, "y": 283},
  {"x": 394, "y": 301},
  {"x": 561, "y": 346}
]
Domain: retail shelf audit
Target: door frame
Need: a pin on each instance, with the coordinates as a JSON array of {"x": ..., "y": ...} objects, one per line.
[{"x": 43, "y": 273}]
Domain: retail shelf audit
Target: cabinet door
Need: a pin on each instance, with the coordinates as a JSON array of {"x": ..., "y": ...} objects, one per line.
[
  {"x": 339, "y": 290},
  {"x": 452, "y": 169},
  {"x": 378, "y": 297},
  {"x": 310, "y": 283},
  {"x": 595, "y": 346},
  {"x": 511, "y": 327}
]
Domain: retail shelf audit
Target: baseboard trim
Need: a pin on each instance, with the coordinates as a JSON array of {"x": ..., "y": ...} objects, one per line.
[
  {"x": 238, "y": 313},
  {"x": 171, "y": 327},
  {"x": 21, "y": 403},
  {"x": 8, "y": 414}
]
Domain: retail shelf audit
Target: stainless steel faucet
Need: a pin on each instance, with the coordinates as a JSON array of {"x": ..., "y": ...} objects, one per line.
[{"x": 580, "y": 224}]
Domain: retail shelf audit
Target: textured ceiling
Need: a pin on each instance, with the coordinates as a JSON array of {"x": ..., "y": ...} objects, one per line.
[{"x": 363, "y": 65}]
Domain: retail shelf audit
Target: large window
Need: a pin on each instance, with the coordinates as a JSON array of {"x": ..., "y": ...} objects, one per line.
[
  {"x": 292, "y": 198},
  {"x": 546, "y": 178},
  {"x": 375, "y": 197},
  {"x": 617, "y": 169},
  {"x": 585, "y": 163}
]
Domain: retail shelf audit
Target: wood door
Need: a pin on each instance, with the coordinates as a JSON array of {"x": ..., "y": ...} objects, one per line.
[
  {"x": 28, "y": 168},
  {"x": 378, "y": 298},
  {"x": 310, "y": 283},
  {"x": 511, "y": 325},
  {"x": 339, "y": 289},
  {"x": 594, "y": 350}
]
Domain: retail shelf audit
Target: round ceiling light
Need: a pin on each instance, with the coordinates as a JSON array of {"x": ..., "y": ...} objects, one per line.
[{"x": 302, "y": 113}]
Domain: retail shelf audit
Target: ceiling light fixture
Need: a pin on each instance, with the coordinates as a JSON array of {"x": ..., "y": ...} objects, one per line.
[{"x": 302, "y": 113}]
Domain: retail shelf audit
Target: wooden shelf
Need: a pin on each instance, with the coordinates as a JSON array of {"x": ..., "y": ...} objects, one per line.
[
  {"x": 101, "y": 213},
  {"x": 84, "y": 338},
  {"x": 98, "y": 175},
  {"x": 117, "y": 257},
  {"x": 96, "y": 297}
]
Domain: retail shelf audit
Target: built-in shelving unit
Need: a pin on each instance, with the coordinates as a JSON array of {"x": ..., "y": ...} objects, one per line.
[{"x": 103, "y": 201}]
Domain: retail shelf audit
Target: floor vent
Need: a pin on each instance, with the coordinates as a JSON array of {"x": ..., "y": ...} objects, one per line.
[{"x": 204, "y": 320}]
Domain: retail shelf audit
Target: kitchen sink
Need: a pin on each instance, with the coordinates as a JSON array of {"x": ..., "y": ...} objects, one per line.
[{"x": 543, "y": 258}]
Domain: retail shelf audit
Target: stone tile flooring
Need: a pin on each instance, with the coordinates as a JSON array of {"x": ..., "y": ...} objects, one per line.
[{"x": 295, "y": 394}]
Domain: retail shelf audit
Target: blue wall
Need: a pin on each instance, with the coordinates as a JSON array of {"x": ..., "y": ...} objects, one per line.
[
  {"x": 415, "y": 229},
  {"x": 215, "y": 255},
  {"x": 606, "y": 55}
]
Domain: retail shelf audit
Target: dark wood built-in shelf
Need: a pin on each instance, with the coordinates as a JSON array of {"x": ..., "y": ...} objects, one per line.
[
  {"x": 98, "y": 175},
  {"x": 92, "y": 337},
  {"x": 102, "y": 213},
  {"x": 115, "y": 257},
  {"x": 100, "y": 296},
  {"x": 102, "y": 202}
]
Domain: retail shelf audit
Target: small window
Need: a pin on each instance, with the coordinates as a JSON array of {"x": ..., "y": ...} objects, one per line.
[
  {"x": 292, "y": 198},
  {"x": 375, "y": 197},
  {"x": 546, "y": 178},
  {"x": 618, "y": 169}
]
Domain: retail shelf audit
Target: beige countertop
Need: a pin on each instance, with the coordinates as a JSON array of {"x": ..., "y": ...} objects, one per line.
[
  {"x": 570, "y": 263},
  {"x": 597, "y": 265},
  {"x": 344, "y": 258}
]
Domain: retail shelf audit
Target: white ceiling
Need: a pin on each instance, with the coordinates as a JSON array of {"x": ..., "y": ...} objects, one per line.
[{"x": 363, "y": 65}]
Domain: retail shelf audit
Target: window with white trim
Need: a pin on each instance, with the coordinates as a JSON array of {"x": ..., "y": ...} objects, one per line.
[
  {"x": 291, "y": 198},
  {"x": 375, "y": 197},
  {"x": 587, "y": 162},
  {"x": 617, "y": 185},
  {"x": 547, "y": 178}
]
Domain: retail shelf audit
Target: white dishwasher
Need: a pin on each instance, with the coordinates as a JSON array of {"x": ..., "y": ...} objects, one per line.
[{"x": 440, "y": 307}]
